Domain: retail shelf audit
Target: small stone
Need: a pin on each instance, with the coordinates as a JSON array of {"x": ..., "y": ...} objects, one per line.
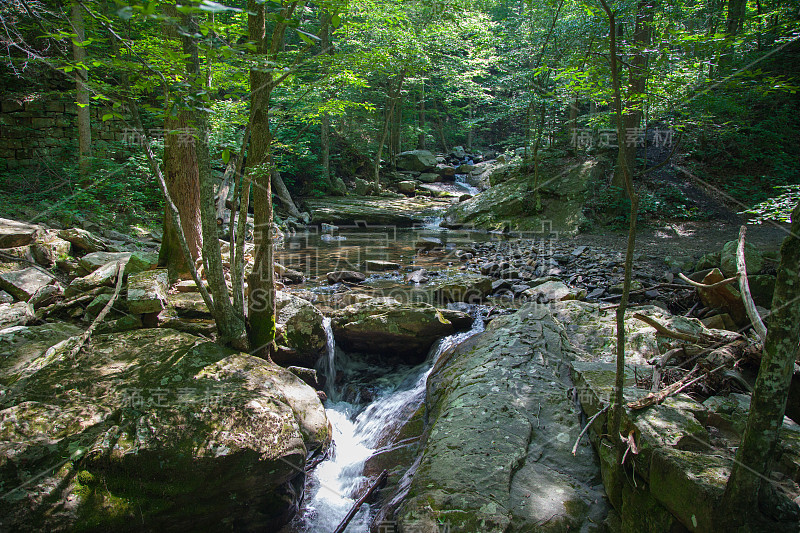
[
  {"x": 5, "y": 298},
  {"x": 46, "y": 295},
  {"x": 579, "y": 250},
  {"x": 418, "y": 276}
]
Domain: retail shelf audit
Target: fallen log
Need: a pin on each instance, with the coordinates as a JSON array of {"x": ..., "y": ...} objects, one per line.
[
  {"x": 356, "y": 506},
  {"x": 744, "y": 288}
]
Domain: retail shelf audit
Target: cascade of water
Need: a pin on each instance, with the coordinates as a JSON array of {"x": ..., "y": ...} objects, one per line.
[
  {"x": 336, "y": 480},
  {"x": 461, "y": 180},
  {"x": 329, "y": 363}
]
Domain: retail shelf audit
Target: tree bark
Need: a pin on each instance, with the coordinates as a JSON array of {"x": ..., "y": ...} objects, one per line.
[
  {"x": 637, "y": 85},
  {"x": 82, "y": 94},
  {"x": 421, "y": 137},
  {"x": 230, "y": 326},
  {"x": 283, "y": 194},
  {"x": 325, "y": 120},
  {"x": 261, "y": 283},
  {"x": 752, "y": 466}
]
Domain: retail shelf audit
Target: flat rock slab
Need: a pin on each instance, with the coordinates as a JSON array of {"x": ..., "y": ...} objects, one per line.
[
  {"x": 147, "y": 291},
  {"x": 496, "y": 456},
  {"x": 136, "y": 261},
  {"x": 22, "y": 284},
  {"x": 381, "y": 266},
  {"x": 374, "y": 211},
  {"x": 14, "y": 233},
  {"x": 103, "y": 276},
  {"x": 553, "y": 291},
  {"x": 388, "y": 328},
  {"x": 83, "y": 240}
]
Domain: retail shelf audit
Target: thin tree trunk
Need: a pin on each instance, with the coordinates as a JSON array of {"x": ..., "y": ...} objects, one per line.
[
  {"x": 230, "y": 326},
  {"x": 325, "y": 120},
  {"x": 757, "y": 450},
  {"x": 616, "y": 413},
  {"x": 637, "y": 85},
  {"x": 82, "y": 94},
  {"x": 385, "y": 132},
  {"x": 421, "y": 137},
  {"x": 261, "y": 283}
]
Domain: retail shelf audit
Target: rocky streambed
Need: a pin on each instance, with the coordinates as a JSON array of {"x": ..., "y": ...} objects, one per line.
[{"x": 382, "y": 366}]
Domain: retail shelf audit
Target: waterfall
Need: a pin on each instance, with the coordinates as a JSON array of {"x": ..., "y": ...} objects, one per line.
[
  {"x": 329, "y": 362},
  {"x": 461, "y": 180},
  {"x": 357, "y": 434}
]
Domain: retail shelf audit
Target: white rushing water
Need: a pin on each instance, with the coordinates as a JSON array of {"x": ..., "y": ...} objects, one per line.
[
  {"x": 461, "y": 180},
  {"x": 338, "y": 481}
]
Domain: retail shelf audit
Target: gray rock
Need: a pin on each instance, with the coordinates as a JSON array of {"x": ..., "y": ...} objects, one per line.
[
  {"x": 46, "y": 295},
  {"x": 47, "y": 250},
  {"x": 147, "y": 291},
  {"x": 553, "y": 291},
  {"x": 458, "y": 152},
  {"x": 385, "y": 327},
  {"x": 407, "y": 187},
  {"x": 18, "y": 314},
  {"x": 361, "y": 187},
  {"x": 136, "y": 261},
  {"x": 418, "y": 276},
  {"x": 428, "y": 177},
  {"x": 348, "y": 276},
  {"x": 13, "y": 233},
  {"x": 103, "y": 276},
  {"x": 380, "y": 266},
  {"x": 417, "y": 160},
  {"x": 22, "y": 284},
  {"x": 82, "y": 240},
  {"x": 300, "y": 329},
  {"x": 468, "y": 288},
  {"x": 754, "y": 259},
  {"x": 496, "y": 452},
  {"x": 5, "y": 298}
]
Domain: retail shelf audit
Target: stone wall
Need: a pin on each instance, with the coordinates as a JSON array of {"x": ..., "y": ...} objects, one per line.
[{"x": 35, "y": 130}]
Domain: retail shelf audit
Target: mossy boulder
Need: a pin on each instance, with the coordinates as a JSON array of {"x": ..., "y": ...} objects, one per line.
[
  {"x": 460, "y": 287},
  {"x": 160, "y": 429},
  {"x": 752, "y": 256},
  {"x": 510, "y": 204},
  {"x": 388, "y": 328},
  {"x": 300, "y": 331}
]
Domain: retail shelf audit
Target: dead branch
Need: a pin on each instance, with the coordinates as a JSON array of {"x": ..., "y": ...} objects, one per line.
[
  {"x": 744, "y": 288},
  {"x": 586, "y": 427},
  {"x": 90, "y": 295},
  {"x": 377, "y": 483},
  {"x": 84, "y": 338},
  {"x": 654, "y": 398},
  {"x": 704, "y": 286}
]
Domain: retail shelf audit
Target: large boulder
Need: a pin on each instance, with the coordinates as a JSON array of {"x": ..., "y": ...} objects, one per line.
[
  {"x": 13, "y": 233},
  {"x": 416, "y": 160},
  {"x": 509, "y": 205},
  {"x": 301, "y": 332},
  {"x": 386, "y": 327},
  {"x": 496, "y": 454},
  {"x": 22, "y": 284},
  {"x": 136, "y": 261},
  {"x": 145, "y": 414},
  {"x": 102, "y": 277}
]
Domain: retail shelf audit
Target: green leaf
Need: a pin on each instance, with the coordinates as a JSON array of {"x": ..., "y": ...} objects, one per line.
[
  {"x": 226, "y": 156},
  {"x": 108, "y": 116},
  {"x": 309, "y": 38},
  {"x": 336, "y": 21}
]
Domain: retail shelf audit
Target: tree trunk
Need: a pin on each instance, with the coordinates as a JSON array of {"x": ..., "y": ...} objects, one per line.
[
  {"x": 325, "y": 120},
  {"x": 618, "y": 406},
  {"x": 261, "y": 283},
  {"x": 421, "y": 137},
  {"x": 637, "y": 84},
  {"x": 737, "y": 10},
  {"x": 283, "y": 194},
  {"x": 82, "y": 94},
  {"x": 755, "y": 454},
  {"x": 230, "y": 326},
  {"x": 183, "y": 183}
]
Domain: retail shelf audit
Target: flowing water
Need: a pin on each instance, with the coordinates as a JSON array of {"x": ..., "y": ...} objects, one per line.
[
  {"x": 359, "y": 431},
  {"x": 461, "y": 180}
]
